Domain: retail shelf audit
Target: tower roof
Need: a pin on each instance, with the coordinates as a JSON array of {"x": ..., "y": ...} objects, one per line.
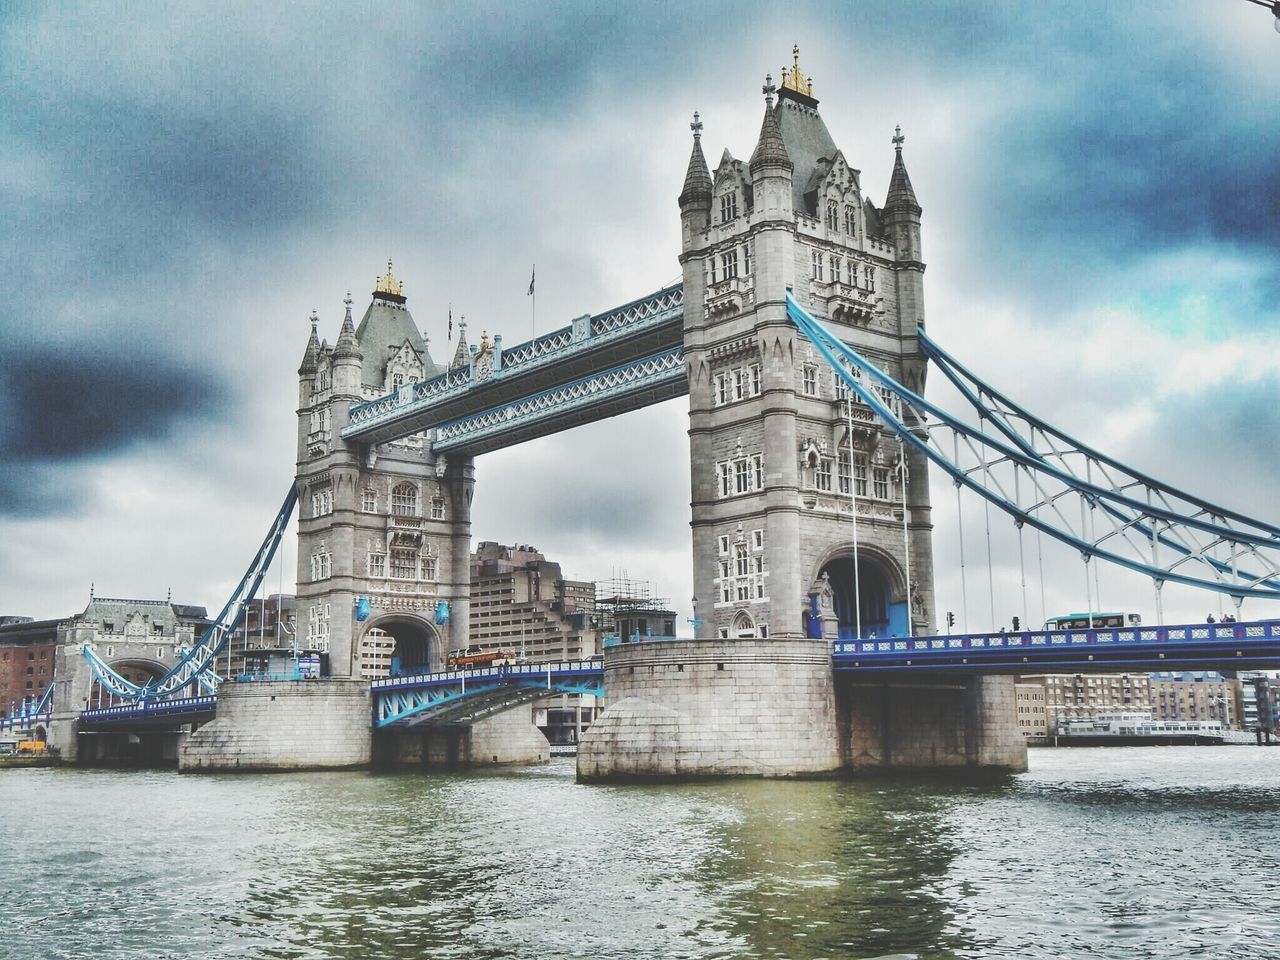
[
  {"x": 383, "y": 330},
  {"x": 347, "y": 345},
  {"x": 697, "y": 179},
  {"x": 795, "y": 85},
  {"x": 462, "y": 355},
  {"x": 901, "y": 195},
  {"x": 311, "y": 358},
  {"x": 770, "y": 149}
]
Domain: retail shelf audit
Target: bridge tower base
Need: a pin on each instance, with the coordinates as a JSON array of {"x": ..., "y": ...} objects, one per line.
[
  {"x": 504, "y": 739},
  {"x": 773, "y": 708},
  {"x": 284, "y": 725},
  {"x": 699, "y": 708},
  {"x": 930, "y": 722}
]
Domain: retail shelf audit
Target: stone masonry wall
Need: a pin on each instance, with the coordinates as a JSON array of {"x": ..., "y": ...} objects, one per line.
[
  {"x": 930, "y": 722},
  {"x": 507, "y": 738},
  {"x": 285, "y": 725},
  {"x": 714, "y": 708}
]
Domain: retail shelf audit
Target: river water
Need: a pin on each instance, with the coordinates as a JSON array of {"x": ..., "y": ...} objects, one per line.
[{"x": 1120, "y": 852}]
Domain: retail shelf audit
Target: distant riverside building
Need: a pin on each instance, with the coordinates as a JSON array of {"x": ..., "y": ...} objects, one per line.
[
  {"x": 1183, "y": 695},
  {"x": 521, "y": 601},
  {"x": 1083, "y": 696},
  {"x": 1194, "y": 695},
  {"x": 1032, "y": 718},
  {"x": 1247, "y": 704},
  {"x": 26, "y": 659}
]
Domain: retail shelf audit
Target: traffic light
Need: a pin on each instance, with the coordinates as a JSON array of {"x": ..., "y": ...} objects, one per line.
[
  {"x": 951, "y": 619},
  {"x": 1016, "y": 624}
]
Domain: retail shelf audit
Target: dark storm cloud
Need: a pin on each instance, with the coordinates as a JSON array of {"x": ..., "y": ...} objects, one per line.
[{"x": 66, "y": 406}]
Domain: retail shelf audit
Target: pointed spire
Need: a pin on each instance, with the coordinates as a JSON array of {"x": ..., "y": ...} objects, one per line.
[
  {"x": 347, "y": 345},
  {"x": 697, "y": 180},
  {"x": 311, "y": 358},
  {"x": 901, "y": 195},
  {"x": 461, "y": 356},
  {"x": 770, "y": 151}
]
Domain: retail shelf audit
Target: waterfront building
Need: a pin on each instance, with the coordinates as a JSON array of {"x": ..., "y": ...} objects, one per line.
[
  {"x": 1083, "y": 696},
  {"x": 26, "y": 660},
  {"x": 1032, "y": 716},
  {"x": 1249, "y": 715},
  {"x": 1195, "y": 695}
]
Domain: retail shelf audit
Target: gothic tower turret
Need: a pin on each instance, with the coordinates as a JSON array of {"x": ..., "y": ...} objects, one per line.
[{"x": 384, "y": 530}]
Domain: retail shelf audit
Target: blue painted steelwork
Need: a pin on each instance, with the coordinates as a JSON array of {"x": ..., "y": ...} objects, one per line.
[
  {"x": 1048, "y": 486},
  {"x": 31, "y": 712},
  {"x": 462, "y": 696},
  {"x": 653, "y": 378},
  {"x": 195, "y": 668},
  {"x": 142, "y": 712},
  {"x": 1046, "y": 442},
  {"x": 1187, "y": 646},
  {"x": 641, "y": 328}
]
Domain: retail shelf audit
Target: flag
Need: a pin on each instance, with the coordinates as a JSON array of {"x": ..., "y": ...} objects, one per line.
[
  {"x": 451, "y": 323},
  {"x": 532, "y": 274}
]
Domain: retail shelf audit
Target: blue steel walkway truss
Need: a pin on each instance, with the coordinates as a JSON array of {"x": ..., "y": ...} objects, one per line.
[{"x": 465, "y": 696}]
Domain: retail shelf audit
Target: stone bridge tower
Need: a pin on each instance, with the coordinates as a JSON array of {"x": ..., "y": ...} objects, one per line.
[
  {"x": 780, "y": 454},
  {"x": 386, "y": 523},
  {"x": 780, "y": 457}
]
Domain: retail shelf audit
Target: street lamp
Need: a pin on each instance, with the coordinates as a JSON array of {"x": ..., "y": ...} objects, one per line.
[{"x": 1274, "y": 7}]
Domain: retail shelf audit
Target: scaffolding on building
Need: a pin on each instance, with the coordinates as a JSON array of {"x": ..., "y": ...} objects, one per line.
[{"x": 625, "y": 606}]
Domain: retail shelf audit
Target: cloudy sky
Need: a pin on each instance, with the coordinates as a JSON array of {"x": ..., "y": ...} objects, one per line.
[{"x": 180, "y": 185}]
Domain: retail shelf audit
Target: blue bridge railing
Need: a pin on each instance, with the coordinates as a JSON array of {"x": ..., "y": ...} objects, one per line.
[
  {"x": 1147, "y": 647},
  {"x": 178, "y": 708}
]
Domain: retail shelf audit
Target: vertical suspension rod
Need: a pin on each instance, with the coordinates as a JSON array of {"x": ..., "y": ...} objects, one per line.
[{"x": 964, "y": 585}]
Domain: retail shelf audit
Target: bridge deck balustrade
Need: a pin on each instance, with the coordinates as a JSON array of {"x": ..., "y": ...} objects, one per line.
[{"x": 1204, "y": 645}]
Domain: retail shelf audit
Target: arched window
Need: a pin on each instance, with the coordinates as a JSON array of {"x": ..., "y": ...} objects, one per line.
[
  {"x": 833, "y": 215},
  {"x": 404, "y": 500},
  {"x": 850, "y": 221},
  {"x": 743, "y": 626},
  {"x": 369, "y": 501}
]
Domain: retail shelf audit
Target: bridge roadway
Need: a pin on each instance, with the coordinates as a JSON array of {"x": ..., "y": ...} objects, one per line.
[
  {"x": 458, "y": 697},
  {"x": 598, "y": 366}
]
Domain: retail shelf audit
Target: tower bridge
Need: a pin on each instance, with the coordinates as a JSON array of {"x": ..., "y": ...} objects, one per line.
[{"x": 797, "y": 333}]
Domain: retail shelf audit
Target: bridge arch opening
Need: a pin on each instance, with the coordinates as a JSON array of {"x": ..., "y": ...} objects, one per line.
[
  {"x": 881, "y": 595},
  {"x": 397, "y": 644}
]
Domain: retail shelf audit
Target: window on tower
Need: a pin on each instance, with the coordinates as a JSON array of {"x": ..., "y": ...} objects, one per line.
[
  {"x": 835, "y": 269},
  {"x": 809, "y": 380},
  {"x": 850, "y": 220},
  {"x": 746, "y": 259},
  {"x": 816, "y": 261},
  {"x": 404, "y": 500},
  {"x": 369, "y": 500},
  {"x": 869, "y": 277},
  {"x": 833, "y": 215},
  {"x": 728, "y": 206},
  {"x": 729, "y": 263}
]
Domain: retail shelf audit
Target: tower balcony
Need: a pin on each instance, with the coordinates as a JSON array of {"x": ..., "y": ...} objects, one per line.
[
  {"x": 403, "y": 531},
  {"x": 727, "y": 297},
  {"x": 848, "y": 302},
  {"x": 318, "y": 442}
]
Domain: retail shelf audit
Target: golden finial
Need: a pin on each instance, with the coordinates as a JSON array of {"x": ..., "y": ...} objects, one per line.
[
  {"x": 793, "y": 79},
  {"x": 389, "y": 284}
]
